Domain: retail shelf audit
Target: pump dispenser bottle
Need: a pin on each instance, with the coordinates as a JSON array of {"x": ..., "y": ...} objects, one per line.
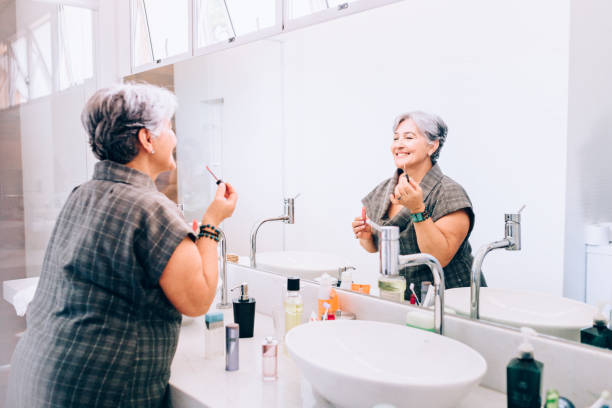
[
  {"x": 293, "y": 304},
  {"x": 524, "y": 376},
  {"x": 599, "y": 335},
  {"x": 244, "y": 311}
]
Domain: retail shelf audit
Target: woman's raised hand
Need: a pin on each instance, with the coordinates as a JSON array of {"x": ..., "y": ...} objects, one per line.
[
  {"x": 409, "y": 194},
  {"x": 222, "y": 206},
  {"x": 361, "y": 229}
]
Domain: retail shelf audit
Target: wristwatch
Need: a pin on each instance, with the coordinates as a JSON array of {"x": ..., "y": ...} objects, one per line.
[{"x": 420, "y": 216}]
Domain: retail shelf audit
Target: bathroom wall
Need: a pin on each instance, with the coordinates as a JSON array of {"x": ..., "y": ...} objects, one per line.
[
  {"x": 589, "y": 168},
  {"x": 230, "y": 114},
  {"x": 496, "y": 76}
]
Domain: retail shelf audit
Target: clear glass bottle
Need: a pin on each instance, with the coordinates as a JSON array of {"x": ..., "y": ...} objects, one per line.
[
  {"x": 293, "y": 304},
  {"x": 269, "y": 359}
]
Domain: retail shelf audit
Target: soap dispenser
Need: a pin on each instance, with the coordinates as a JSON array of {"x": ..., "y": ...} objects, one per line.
[
  {"x": 524, "y": 376},
  {"x": 599, "y": 335},
  {"x": 244, "y": 311}
]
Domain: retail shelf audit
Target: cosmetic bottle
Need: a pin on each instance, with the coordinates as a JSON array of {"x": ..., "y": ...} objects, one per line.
[
  {"x": 524, "y": 376},
  {"x": 232, "y": 341},
  {"x": 269, "y": 359},
  {"x": 326, "y": 295},
  {"x": 213, "y": 335},
  {"x": 604, "y": 401},
  {"x": 244, "y": 311},
  {"x": 293, "y": 304},
  {"x": 346, "y": 280},
  {"x": 392, "y": 288},
  {"x": 599, "y": 335},
  {"x": 552, "y": 399}
]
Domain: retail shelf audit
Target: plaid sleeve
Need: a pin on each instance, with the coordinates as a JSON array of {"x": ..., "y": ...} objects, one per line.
[
  {"x": 160, "y": 231},
  {"x": 452, "y": 197}
]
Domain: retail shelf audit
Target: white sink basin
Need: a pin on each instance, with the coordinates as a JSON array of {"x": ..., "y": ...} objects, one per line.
[
  {"x": 547, "y": 314},
  {"x": 302, "y": 264},
  {"x": 357, "y": 363}
]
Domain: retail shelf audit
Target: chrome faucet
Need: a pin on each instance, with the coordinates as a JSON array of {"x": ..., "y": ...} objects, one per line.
[
  {"x": 224, "y": 304},
  {"x": 391, "y": 262},
  {"x": 288, "y": 217},
  {"x": 511, "y": 242}
]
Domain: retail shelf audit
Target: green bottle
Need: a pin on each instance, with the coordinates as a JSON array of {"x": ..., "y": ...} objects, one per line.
[
  {"x": 552, "y": 399},
  {"x": 599, "y": 335},
  {"x": 524, "y": 376}
]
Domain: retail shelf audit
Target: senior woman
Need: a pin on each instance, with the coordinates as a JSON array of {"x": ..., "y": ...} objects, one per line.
[
  {"x": 120, "y": 268},
  {"x": 433, "y": 212}
]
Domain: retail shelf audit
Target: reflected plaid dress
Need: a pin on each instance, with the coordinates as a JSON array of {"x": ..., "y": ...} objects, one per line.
[
  {"x": 100, "y": 331},
  {"x": 441, "y": 196}
]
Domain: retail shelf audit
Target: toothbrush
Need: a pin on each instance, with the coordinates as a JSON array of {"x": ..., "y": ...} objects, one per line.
[
  {"x": 415, "y": 296},
  {"x": 326, "y": 306}
]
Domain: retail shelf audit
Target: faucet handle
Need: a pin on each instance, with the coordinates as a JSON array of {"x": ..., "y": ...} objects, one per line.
[{"x": 522, "y": 208}]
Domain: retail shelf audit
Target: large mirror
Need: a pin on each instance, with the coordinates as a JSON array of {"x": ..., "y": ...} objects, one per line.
[{"x": 311, "y": 112}]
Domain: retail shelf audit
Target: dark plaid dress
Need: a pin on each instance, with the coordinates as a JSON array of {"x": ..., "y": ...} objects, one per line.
[
  {"x": 442, "y": 196},
  {"x": 100, "y": 331}
]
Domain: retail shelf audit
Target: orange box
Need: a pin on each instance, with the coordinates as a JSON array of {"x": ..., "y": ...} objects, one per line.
[
  {"x": 361, "y": 288},
  {"x": 333, "y": 304}
]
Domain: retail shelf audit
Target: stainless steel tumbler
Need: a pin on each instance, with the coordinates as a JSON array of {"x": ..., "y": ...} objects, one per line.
[{"x": 232, "y": 338}]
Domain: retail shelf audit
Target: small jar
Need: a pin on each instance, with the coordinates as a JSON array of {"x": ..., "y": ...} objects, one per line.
[{"x": 269, "y": 359}]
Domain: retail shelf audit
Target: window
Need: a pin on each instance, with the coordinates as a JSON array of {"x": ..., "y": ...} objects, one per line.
[
  {"x": 160, "y": 29},
  {"x": 41, "y": 72},
  {"x": 19, "y": 71},
  {"x": 213, "y": 22},
  {"x": 301, "y": 8},
  {"x": 221, "y": 20},
  {"x": 142, "y": 51},
  {"x": 4, "y": 76},
  {"x": 75, "y": 36}
]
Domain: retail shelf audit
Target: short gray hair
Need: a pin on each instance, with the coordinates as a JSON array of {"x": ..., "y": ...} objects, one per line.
[
  {"x": 430, "y": 125},
  {"x": 113, "y": 117}
]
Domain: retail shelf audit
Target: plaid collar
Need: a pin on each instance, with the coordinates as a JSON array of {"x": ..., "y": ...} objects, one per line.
[{"x": 113, "y": 171}]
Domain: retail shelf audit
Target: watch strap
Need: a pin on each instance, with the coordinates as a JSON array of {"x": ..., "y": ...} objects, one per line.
[{"x": 420, "y": 216}]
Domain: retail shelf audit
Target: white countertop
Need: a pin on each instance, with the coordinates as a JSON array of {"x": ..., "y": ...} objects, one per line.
[{"x": 197, "y": 382}]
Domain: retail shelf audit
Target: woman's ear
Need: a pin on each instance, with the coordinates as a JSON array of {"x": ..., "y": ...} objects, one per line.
[
  {"x": 434, "y": 147},
  {"x": 144, "y": 137}
]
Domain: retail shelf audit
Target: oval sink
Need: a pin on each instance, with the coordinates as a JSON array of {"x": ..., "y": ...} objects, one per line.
[
  {"x": 302, "y": 264},
  {"x": 357, "y": 363},
  {"x": 547, "y": 314}
]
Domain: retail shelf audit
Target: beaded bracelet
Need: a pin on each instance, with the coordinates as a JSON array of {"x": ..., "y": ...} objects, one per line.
[
  {"x": 212, "y": 227},
  {"x": 208, "y": 235},
  {"x": 214, "y": 234}
]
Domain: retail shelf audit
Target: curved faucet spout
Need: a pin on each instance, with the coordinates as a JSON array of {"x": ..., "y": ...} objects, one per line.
[
  {"x": 224, "y": 304},
  {"x": 254, "y": 236},
  {"x": 477, "y": 274},
  {"x": 439, "y": 285}
]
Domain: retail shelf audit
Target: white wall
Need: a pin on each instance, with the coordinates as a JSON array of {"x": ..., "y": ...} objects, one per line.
[
  {"x": 589, "y": 168},
  {"x": 493, "y": 73},
  {"x": 247, "y": 79},
  {"x": 495, "y": 76}
]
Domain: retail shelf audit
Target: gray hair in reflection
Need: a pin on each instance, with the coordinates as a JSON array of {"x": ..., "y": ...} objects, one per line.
[
  {"x": 430, "y": 125},
  {"x": 113, "y": 116}
]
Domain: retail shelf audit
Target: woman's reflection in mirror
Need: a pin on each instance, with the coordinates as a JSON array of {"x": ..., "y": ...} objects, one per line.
[{"x": 433, "y": 212}]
